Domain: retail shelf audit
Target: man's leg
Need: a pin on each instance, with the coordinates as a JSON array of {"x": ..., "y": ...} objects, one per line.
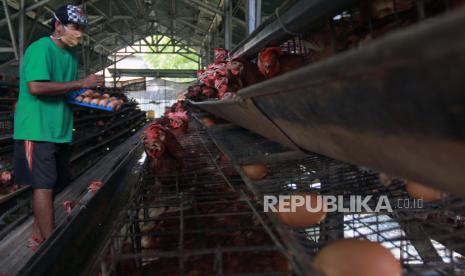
[
  {"x": 42, "y": 202},
  {"x": 36, "y": 234},
  {"x": 41, "y": 160},
  {"x": 23, "y": 176}
]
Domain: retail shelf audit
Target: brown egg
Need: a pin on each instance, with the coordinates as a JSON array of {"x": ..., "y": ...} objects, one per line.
[
  {"x": 106, "y": 95},
  {"x": 112, "y": 104},
  {"x": 95, "y": 101},
  {"x": 356, "y": 258},
  {"x": 385, "y": 179},
  {"x": 103, "y": 102},
  {"x": 303, "y": 218},
  {"x": 208, "y": 122},
  {"x": 255, "y": 171},
  {"x": 420, "y": 191},
  {"x": 88, "y": 93},
  {"x": 87, "y": 100},
  {"x": 79, "y": 98}
]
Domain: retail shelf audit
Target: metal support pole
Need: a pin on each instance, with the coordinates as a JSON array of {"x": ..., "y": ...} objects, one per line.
[
  {"x": 114, "y": 74},
  {"x": 254, "y": 10},
  {"x": 104, "y": 69},
  {"x": 28, "y": 9},
  {"x": 87, "y": 59},
  {"x": 10, "y": 29},
  {"x": 22, "y": 30},
  {"x": 228, "y": 24}
]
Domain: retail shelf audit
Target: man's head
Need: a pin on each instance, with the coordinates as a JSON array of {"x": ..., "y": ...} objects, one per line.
[{"x": 68, "y": 24}]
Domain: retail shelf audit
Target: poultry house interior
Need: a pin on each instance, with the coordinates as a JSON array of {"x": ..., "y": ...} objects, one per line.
[{"x": 290, "y": 137}]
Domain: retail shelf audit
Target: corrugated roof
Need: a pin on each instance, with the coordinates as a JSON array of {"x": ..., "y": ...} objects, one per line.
[{"x": 116, "y": 24}]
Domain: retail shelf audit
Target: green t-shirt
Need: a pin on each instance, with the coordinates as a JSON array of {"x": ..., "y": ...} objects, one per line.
[{"x": 45, "y": 118}]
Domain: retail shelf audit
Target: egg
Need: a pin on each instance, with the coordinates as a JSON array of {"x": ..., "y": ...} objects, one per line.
[
  {"x": 385, "y": 179},
  {"x": 87, "y": 100},
  {"x": 79, "y": 98},
  {"x": 95, "y": 101},
  {"x": 208, "y": 121},
  {"x": 103, "y": 102},
  {"x": 255, "y": 171},
  {"x": 112, "y": 104},
  {"x": 356, "y": 258},
  {"x": 303, "y": 218},
  {"x": 88, "y": 93},
  {"x": 420, "y": 191},
  {"x": 106, "y": 95}
]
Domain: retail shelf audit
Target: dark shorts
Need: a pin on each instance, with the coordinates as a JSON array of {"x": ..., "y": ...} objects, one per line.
[{"x": 42, "y": 165}]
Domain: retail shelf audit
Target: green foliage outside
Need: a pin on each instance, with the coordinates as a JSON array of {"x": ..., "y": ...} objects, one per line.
[{"x": 170, "y": 61}]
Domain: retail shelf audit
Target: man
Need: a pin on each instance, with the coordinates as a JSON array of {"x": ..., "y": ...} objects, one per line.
[{"x": 43, "y": 120}]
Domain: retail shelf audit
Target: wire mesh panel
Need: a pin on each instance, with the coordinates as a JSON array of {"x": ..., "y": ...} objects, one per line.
[
  {"x": 6, "y": 123},
  {"x": 195, "y": 220},
  {"x": 158, "y": 94},
  {"x": 427, "y": 237}
]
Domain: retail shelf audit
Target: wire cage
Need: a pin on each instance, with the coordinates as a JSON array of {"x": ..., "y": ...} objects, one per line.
[
  {"x": 207, "y": 220},
  {"x": 196, "y": 221},
  {"x": 6, "y": 123},
  {"x": 360, "y": 24},
  {"x": 426, "y": 237}
]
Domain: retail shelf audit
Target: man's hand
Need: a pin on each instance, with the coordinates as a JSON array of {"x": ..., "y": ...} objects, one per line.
[
  {"x": 48, "y": 88},
  {"x": 92, "y": 81}
]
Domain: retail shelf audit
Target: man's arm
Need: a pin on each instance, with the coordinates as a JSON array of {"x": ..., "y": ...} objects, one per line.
[{"x": 48, "y": 88}]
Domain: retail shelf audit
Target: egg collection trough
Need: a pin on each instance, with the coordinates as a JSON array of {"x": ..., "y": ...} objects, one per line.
[{"x": 395, "y": 105}]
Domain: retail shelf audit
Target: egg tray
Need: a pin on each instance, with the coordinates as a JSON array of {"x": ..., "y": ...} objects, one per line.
[{"x": 72, "y": 100}]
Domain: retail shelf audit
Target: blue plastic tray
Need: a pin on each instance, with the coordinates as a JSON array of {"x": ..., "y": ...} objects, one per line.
[{"x": 74, "y": 94}]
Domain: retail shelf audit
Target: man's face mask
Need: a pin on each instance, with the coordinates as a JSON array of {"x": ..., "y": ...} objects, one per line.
[{"x": 71, "y": 37}]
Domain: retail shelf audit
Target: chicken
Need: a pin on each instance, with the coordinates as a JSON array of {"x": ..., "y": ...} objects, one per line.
[
  {"x": 383, "y": 8},
  {"x": 272, "y": 61},
  {"x": 179, "y": 121},
  {"x": 69, "y": 205},
  {"x": 165, "y": 165},
  {"x": 154, "y": 138},
  {"x": 209, "y": 92},
  {"x": 245, "y": 70},
  {"x": 164, "y": 121},
  {"x": 95, "y": 186},
  {"x": 164, "y": 140},
  {"x": 224, "y": 162},
  {"x": 179, "y": 106},
  {"x": 224, "y": 85},
  {"x": 207, "y": 78},
  {"x": 220, "y": 55},
  {"x": 6, "y": 177},
  {"x": 213, "y": 71}
]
